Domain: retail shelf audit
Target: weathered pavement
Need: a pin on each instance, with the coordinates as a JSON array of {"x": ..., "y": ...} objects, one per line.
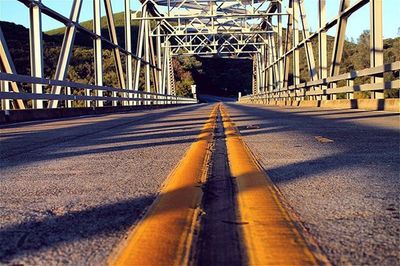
[
  {"x": 70, "y": 189},
  {"x": 346, "y": 192}
]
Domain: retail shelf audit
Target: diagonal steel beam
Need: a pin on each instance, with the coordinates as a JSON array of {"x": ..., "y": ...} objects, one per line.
[
  {"x": 7, "y": 66},
  {"x": 339, "y": 39},
  {"x": 66, "y": 50},
  {"x": 113, "y": 36}
]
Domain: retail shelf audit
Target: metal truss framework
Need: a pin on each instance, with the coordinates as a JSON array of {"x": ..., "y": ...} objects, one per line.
[
  {"x": 276, "y": 74},
  {"x": 62, "y": 92},
  {"x": 250, "y": 29}
]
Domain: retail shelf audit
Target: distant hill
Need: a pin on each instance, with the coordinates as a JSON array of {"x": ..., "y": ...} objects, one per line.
[{"x": 83, "y": 40}]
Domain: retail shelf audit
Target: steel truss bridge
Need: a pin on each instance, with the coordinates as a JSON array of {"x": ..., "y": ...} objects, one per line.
[
  {"x": 167, "y": 28},
  {"x": 200, "y": 184}
]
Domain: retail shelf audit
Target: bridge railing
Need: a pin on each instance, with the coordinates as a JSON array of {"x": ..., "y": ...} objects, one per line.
[
  {"x": 327, "y": 88},
  {"x": 36, "y": 91},
  {"x": 75, "y": 94}
]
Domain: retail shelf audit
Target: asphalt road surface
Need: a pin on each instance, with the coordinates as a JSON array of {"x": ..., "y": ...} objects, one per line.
[
  {"x": 346, "y": 192},
  {"x": 70, "y": 189}
]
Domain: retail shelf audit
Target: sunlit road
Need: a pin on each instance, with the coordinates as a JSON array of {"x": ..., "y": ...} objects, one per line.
[
  {"x": 346, "y": 192},
  {"x": 70, "y": 189}
]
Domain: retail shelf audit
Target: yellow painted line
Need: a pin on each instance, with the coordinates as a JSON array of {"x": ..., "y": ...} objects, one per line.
[
  {"x": 164, "y": 235},
  {"x": 269, "y": 235}
]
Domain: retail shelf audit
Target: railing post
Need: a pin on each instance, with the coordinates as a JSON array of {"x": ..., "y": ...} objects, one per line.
[
  {"x": 68, "y": 102},
  {"x": 87, "y": 102},
  {"x": 350, "y": 95},
  {"x": 36, "y": 53},
  {"x": 5, "y": 87}
]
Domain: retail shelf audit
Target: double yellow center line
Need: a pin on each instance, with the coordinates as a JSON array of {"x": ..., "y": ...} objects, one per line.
[{"x": 164, "y": 236}]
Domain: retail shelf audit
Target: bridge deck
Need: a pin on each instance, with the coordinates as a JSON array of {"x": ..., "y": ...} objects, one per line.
[
  {"x": 346, "y": 192},
  {"x": 71, "y": 188}
]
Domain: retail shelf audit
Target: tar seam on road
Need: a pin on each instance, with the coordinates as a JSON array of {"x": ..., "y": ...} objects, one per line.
[
  {"x": 164, "y": 235},
  {"x": 218, "y": 241}
]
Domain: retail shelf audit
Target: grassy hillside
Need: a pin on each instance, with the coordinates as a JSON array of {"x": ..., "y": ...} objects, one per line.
[
  {"x": 119, "y": 20},
  {"x": 83, "y": 40}
]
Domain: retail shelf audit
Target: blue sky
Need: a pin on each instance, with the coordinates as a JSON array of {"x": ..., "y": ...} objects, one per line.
[{"x": 12, "y": 10}]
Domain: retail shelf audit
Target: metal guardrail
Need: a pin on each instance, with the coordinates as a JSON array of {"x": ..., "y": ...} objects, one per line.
[
  {"x": 126, "y": 98},
  {"x": 321, "y": 88},
  {"x": 149, "y": 58}
]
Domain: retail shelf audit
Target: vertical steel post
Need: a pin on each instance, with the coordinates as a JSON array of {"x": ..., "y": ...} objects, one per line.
[
  {"x": 147, "y": 59},
  {"x": 288, "y": 46},
  {"x": 264, "y": 71},
  {"x": 274, "y": 66},
  {"x": 376, "y": 42},
  {"x": 259, "y": 76},
  {"x": 280, "y": 48},
  {"x": 153, "y": 60},
  {"x": 322, "y": 44},
  {"x": 128, "y": 47},
  {"x": 164, "y": 71},
  {"x": 263, "y": 66},
  {"x": 98, "y": 57},
  {"x": 254, "y": 74},
  {"x": 36, "y": 52},
  {"x": 296, "y": 55},
  {"x": 159, "y": 74},
  {"x": 139, "y": 50},
  {"x": 270, "y": 67}
]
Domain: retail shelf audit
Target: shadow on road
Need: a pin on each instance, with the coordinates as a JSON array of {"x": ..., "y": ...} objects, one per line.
[{"x": 355, "y": 146}]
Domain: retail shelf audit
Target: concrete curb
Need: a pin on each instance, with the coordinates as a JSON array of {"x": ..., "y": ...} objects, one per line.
[{"x": 392, "y": 105}]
